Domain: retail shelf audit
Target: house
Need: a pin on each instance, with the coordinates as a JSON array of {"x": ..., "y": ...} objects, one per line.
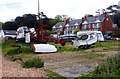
[
  {"x": 101, "y": 23},
  {"x": 58, "y": 28},
  {"x": 72, "y": 26},
  {"x": 67, "y": 27}
]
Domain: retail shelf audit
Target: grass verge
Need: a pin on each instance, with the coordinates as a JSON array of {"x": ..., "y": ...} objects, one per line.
[{"x": 53, "y": 75}]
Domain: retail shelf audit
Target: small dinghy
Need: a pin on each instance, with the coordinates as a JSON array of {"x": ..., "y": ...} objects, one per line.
[{"x": 43, "y": 48}]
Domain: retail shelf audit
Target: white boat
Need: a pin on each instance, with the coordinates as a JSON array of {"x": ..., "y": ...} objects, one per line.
[
  {"x": 43, "y": 48},
  {"x": 87, "y": 38}
]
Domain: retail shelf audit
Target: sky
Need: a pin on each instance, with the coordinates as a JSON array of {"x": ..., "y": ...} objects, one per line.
[{"x": 10, "y": 9}]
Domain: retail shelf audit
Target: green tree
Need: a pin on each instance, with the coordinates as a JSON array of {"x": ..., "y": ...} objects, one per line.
[
  {"x": 116, "y": 19},
  {"x": 28, "y": 20},
  {"x": 52, "y": 22},
  {"x": 20, "y": 21},
  {"x": 1, "y": 25},
  {"x": 75, "y": 31},
  {"x": 9, "y": 26}
]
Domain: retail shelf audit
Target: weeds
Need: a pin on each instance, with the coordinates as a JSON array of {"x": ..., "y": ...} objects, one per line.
[
  {"x": 110, "y": 69},
  {"x": 35, "y": 62}
]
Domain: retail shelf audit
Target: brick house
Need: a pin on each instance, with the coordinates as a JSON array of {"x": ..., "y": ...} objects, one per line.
[{"x": 101, "y": 23}]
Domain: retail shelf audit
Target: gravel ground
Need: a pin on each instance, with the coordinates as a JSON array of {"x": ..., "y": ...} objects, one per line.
[
  {"x": 14, "y": 69},
  {"x": 73, "y": 64},
  {"x": 74, "y": 71},
  {"x": 68, "y": 64}
]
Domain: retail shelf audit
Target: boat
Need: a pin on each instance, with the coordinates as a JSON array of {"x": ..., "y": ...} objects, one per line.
[
  {"x": 43, "y": 48},
  {"x": 87, "y": 38}
]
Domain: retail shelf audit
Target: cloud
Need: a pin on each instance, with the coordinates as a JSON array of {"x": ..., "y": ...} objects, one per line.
[{"x": 10, "y": 9}]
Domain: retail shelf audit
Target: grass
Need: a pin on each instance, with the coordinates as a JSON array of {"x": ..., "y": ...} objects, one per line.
[
  {"x": 35, "y": 62},
  {"x": 53, "y": 75},
  {"x": 111, "y": 68},
  {"x": 23, "y": 51},
  {"x": 92, "y": 55},
  {"x": 108, "y": 43},
  {"x": 26, "y": 49},
  {"x": 67, "y": 48}
]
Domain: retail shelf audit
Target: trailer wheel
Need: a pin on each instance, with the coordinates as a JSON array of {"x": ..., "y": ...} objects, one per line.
[{"x": 88, "y": 46}]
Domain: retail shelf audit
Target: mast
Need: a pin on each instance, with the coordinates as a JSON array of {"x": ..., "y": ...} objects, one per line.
[{"x": 38, "y": 10}]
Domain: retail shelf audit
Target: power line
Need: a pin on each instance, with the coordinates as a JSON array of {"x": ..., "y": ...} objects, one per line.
[
  {"x": 11, "y": 4},
  {"x": 14, "y": 3}
]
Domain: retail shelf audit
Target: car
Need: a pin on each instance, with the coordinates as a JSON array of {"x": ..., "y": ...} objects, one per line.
[
  {"x": 68, "y": 38},
  {"x": 8, "y": 34},
  {"x": 107, "y": 36}
]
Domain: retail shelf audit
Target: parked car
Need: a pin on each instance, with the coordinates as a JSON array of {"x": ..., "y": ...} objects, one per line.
[
  {"x": 8, "y": 34},
  {"x": 68, "y": 38},
  {"x": 107, "y": 36}
]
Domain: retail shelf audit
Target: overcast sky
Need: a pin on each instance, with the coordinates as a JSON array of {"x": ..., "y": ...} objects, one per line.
[{"x": 10, "y": 9}]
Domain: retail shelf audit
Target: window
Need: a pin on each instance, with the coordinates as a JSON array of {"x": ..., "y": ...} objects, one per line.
[
  {"x": 60, "y": 29},
  {"x": 84, "y": 27},
  {"x": 93, "y": 26},
  {"x": 72, "y": 28},
  {"x": 107, "y": 19},
  {"x": 89, "y": 26},
  {"x": 97, "y": 26},
  {"x": 83, "y": 37}
]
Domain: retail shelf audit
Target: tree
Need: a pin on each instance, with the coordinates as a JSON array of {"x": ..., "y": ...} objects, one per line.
[
  {"x": 116, "y": 19},
  {"x": 52, "y": 22},
  {"x": 113, "y": 9},
  {"x": 20, "y": 21},
  {"x": 1, "y": 25},
  {"x": 9, "y": 26},
  {"x": 59, "y": 17},
  {"x": 28, "y": 20},
  {"x": 62, "y": 17},
  {"x": 75, "y": 31},
  {"x": 116, "y": 32}
]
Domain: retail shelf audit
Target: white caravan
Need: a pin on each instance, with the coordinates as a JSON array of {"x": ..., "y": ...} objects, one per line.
[{"x": 86, "y": 38}]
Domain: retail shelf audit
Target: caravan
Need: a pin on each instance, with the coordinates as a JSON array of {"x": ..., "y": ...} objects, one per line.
[{"x": 86, "y": 38}]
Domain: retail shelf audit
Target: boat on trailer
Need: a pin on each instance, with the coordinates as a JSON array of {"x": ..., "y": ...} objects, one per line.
[{"x": 87, "y": 38}]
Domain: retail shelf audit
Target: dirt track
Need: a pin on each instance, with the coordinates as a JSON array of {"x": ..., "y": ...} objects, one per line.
[{"x": 14, "y": 69}]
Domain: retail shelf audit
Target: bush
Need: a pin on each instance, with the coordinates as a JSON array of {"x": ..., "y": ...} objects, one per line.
[{"x": 35, "y": 62}]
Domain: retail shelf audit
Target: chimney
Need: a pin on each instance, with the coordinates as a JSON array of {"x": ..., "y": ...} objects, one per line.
[
  {"x": 66, "y": 21},
  {"x": 83, "y": 19}
]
